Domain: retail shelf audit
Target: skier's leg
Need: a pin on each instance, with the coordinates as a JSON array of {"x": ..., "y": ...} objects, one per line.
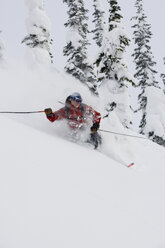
[{"x": 95, "y": 139}]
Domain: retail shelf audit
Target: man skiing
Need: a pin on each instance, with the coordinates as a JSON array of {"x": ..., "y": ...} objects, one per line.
[{"x": 78, "y": 114}]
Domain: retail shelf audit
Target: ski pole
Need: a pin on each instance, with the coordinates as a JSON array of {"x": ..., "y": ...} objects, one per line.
[
  {"x": 122, "y": 134},
  {"x": 107, "y": 131},
  {"x": 18, "y": 112}
]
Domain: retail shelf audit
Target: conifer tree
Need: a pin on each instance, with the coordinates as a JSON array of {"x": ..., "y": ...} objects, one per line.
[
  {"x": 143, "y": 58},
  {"x": 110, "y": 61},
  {"x": 115, "y": 15},
  {"x": 111, "y": 66},
  {"x": 78, "y": 64},
  {"x": 99, "y": 29},
  {"x": 99, "y": 22},
  {"x": 163, "y": 77},
  {"x": 38, "y": 27}
]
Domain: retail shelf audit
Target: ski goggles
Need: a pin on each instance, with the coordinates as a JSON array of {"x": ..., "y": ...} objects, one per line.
[{"x": 76, "y": 99}]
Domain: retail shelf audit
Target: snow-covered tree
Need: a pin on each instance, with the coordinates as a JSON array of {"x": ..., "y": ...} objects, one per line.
[
  {"x": 38, "y": 28},
  {"x": 115, "y": 15},
  {"x": 144, "y": 61},
  {"x": 155, "y": 117},
  {"x": 113, "y": 71},
  {"x": 99, "y": 29},
  {"x": 163, "y": 76},
  {"x": 99, "y": 22},
  {"x": 110, "y": 62},
  {"x": 78, "y": 63}
]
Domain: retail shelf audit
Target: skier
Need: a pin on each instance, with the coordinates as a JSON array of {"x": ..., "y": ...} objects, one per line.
[{"x": 78, "y": 115}]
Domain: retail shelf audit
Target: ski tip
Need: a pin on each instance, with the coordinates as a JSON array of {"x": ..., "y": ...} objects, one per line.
[{"x": 130, "y": 165}]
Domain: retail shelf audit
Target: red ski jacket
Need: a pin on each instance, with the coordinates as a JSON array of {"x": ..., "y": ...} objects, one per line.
[{"x": 76, "y": 116}]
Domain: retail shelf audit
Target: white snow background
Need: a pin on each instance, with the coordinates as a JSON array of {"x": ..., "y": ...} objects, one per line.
[{"x": 56, "y": 193}]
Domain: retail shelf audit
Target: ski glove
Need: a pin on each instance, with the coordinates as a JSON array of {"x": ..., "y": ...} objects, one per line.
[
  {"x": 95, "y": 127},
  {"x": 48, "y": 112}
]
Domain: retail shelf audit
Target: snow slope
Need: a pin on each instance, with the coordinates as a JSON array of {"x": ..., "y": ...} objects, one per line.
[{"x": 55, "y": 193}]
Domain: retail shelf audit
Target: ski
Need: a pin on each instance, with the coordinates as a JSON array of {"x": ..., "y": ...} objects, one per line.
[{"x": 130, "y": 165}]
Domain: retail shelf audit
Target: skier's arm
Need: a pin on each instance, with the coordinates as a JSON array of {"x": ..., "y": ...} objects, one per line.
[
  {"x": 96, "y": 116},
  {"x": 96, "y": 120},
  {"x": 58, "y": 115}
]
